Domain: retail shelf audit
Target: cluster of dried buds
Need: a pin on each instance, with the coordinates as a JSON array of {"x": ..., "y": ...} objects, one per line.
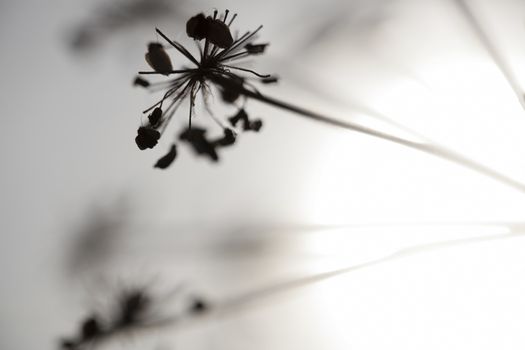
[
  {"x": 212, "y": 68},
  {"x": 134, "y": 309}
]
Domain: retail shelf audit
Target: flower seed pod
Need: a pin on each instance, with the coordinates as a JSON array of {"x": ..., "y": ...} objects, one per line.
[
  {"x": 199, "y": 306},
  {"x": 147, "y": 138},
  {"x": 167, "y": 159},
  {"x": 158, "y": 59},
  {"x": 139, "y": 81},
  {"x": 197, "y": 27},
  {"x": 219, "y": 33},
  {"x": 154, "y": 117},
  {"x": 90, "y": 328},
  {"x": 270, "y": 80},
  {"x": 196, "y": 137},
  {"x": 241, "y": 116},
  {"x": 132, "y": 307},
  {"x": 255, "y": 125},
  {"x": 255, "y": 49},
  {"x": 228, "y": 139},
  {"x": 231, "y": 89}
]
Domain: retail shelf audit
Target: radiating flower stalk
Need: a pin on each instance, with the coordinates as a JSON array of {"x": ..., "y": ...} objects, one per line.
[{"x": 215, "y": 66}]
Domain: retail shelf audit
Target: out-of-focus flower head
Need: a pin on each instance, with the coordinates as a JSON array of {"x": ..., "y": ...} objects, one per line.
[{"x": 213, "y": 67}]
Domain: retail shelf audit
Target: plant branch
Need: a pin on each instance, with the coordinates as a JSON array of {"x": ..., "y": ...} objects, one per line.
[
  {"x": 237, "y": 303},
  {"x": 429, "y": 147},
  {"x": 492, "y": 50}
]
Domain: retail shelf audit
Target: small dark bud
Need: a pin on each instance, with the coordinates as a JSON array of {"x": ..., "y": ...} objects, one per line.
[
  {"x": 196, "y": 137},
  {"x": 270, "y": 80},
  {"x": 255, "y": 125},
  {"x": 90, "y": 328},
  {"x": 158, "y": 59},
  {"x": 219, "y": 33},
  {"x": 255, "y": 49},
  {"x": 167, "y": 159},
  {"x": 199, "y": 306},
  {"x": 132, "y": 307},
  {"x": 147, "y": 138},
  {"x": 68, "y": 344},
  {"x": 139, "y": 81},
  {"x": 154, "y": 117},
  {"x": 230, "y": 95},
  {"x": 227, "y": 140},
  {"x": 197, "y": 27},
  {"x": 240, "y": 116},
  {"x": 231, "y": 89}
]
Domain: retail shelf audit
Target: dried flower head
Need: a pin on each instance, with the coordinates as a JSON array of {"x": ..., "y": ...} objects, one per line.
[
  {"x": 219, "y": 50},
  {"x": 132, "y": 310}
]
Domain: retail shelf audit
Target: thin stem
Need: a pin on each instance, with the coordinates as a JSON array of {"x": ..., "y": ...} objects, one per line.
[
  {"x": 178, "y": 46},
  {"x": 248, "y": 71},
  {"x": 429, "y": 148},
  {"x": 170, "y": 72},
  {"x": 237, "y": 55},
  {"x": 243, "y": 39},
  {"x": 240, "y": 301},
  {"x": 237, "y": 303},
  {"x": 492, "y": 50}
]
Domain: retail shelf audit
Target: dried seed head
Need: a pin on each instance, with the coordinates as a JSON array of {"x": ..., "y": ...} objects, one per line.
[
  {"x": 68, "y": 344},
  {"x": 231, "y": 89},
  {"x": 270, "y": 80},
  {"x": 215, "y": 66},
  {"x": 132, "y": 306},
  {"x": 196, "y": 137},
  {"x": 199, "y": 306},
  {"x": 255, "y": 48},
  {"x": 216, "y": 31},
  {"x": 167, "y": 159},
  {"x": 158, "y": 59},
  {"x": 91, "y": 328},
  {"x": 255, "y": 125},
  {"x": 139, "y": 81},
  {"x": 146, "y": 137},
  {"x": 228, "y": 139},
  {"x": 241, "y": 116},
  {"x": 154, "y": 117},
  {"x": 219, "y": 33},
  {"x": 197, "y": 27}
]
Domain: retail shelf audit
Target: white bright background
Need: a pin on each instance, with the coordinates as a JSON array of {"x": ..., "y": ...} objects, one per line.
[{"x": 69, "y": 120}]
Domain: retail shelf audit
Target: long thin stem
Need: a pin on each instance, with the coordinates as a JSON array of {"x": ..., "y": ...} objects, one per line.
[
  {"x": 492, "y": 50},
  {"x": 429, "y": 148},
  {"x": 170, "y": 72},
  {"x": 239, "y": 302}
]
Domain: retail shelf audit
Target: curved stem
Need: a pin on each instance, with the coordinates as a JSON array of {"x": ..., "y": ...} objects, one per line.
[
  {"x": 237, "y": 303},
  {"x": 429, "y": 147},
  {"x": 492, "y": 50}
]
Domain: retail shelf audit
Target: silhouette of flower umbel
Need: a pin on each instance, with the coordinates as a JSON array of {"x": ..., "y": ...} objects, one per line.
[{"x": 212, "y": 68}]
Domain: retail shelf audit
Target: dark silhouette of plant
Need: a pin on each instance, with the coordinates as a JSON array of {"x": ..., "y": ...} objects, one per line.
[
  {"x": 211, "y": 68},
  {"x": 133, "y": 311}
]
